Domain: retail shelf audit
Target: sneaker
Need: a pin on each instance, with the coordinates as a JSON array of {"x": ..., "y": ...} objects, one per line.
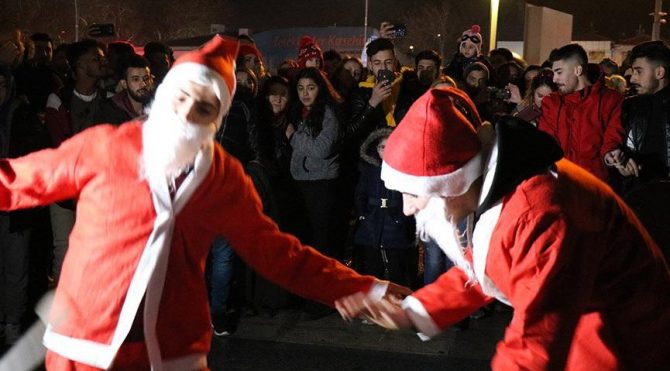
[
  {"x": 225, "y": 325},
  {"x": 12, "y": 333}
]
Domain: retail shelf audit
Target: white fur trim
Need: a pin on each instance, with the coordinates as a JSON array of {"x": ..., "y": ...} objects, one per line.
[
  {"x": 453, "y": 184},
  {"x": 166, "y": 210},
  {"x": 420, "y": 318},
  {"x": 481, "y": 236},
  {"x": 203, "y": 75}
]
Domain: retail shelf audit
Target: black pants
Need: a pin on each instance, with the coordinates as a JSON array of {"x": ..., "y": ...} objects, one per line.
[
  {"x": 395, "y": 265},
  {"x": 320, "y": 202}
]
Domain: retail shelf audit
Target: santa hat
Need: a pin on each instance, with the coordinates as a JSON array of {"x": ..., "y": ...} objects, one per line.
[
  {"x": 309, "y": 49},
  {"x": 246, "y": 49},
  {"x": 472, "y": 36},
  {"x": 435, "y": 150},
  {"x": 211, "y": 65}
]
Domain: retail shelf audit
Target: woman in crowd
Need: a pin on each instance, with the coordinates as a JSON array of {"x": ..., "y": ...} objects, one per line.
[
  {"x": 529, "y": 108},
  {"x": 315, "y": 161}
]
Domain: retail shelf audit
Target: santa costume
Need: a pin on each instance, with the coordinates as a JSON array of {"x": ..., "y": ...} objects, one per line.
[
  {"x": 132, "y": 292},
  {"x": 589, "y": 287}
]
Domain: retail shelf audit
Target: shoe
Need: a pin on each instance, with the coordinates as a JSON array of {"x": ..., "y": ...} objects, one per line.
[
  {"x": 225, "y": 324},
  {"x": 12, "y": 333}
]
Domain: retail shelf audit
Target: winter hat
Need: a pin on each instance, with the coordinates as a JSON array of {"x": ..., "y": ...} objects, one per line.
[
  {"x": 246, "y": 49},
  {"x": 472, "y": 36},
  {"x": 435, "y": 150},
  {"x": 212, "y": 64},
  {"x": 309, "y": 49}
]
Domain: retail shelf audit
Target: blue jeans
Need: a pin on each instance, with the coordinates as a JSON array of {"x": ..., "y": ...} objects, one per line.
[
  {"x": 221, "y": 275},
  {"x": 435, "y": 262}
]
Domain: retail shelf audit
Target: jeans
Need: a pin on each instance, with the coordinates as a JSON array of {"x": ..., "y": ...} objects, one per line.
[
  {"x": 221, "y": 275},
  {"x": 435, "y": 262}
]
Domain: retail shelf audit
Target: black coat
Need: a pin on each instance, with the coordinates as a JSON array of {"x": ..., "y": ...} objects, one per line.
[{"x": 381, "y": 222}]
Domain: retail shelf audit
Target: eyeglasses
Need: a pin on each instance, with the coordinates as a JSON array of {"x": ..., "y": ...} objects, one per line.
[{"x": 473, "y": 38}]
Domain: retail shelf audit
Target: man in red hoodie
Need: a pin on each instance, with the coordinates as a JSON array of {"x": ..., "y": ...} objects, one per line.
[{"x": 584, "y": 117}]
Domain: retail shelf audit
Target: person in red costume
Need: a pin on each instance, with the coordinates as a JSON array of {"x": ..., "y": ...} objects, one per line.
[
  {"x": 151, "y": 197},
  {"x": 589, "y": 287}
]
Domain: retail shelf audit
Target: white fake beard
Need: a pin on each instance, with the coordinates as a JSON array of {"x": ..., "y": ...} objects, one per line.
[
  {"x": 432, "y": 223},
  {"x": 170, "y": 144}
]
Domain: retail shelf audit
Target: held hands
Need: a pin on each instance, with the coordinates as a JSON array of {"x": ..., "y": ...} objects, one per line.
[
  {"x": 626, "y": 166},
  {"x": 380, "y": 92},
  {"x": 386, "y": 312}
]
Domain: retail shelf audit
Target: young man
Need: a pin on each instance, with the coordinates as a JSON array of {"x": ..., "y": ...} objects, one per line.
[
  {"x": 427, "y": 65},
  {"x": 584, "y": 118},
  {"x": 138, "y": 90},
  {"x": 151, "y": 198},
  {"x": 589, "y": 288},
  {"x": 647, "y": 119}
]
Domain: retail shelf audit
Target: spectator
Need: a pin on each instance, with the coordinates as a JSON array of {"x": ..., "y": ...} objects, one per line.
[
  {"x": 530, "y": 108},
  {"x": 21, "y": 132},
  {"x": 500, "y": 56},
  {"x": 428, "y": 64},
  {"x": 584, "y": 118},
  {"x": 138, "y": 87},
  {"x": 315, "y": 161},
  {"x": 69, "y": 111},
  {"x": 12, "y": 47},
  {"x": 331, "y": 59},
  {"x": 346, "y": 77},
  {"x": 250, "y": 57},
  {"x": 309, "y": 54},
  {"x": 608, "y": 67},
  {"x": 384, "y": 236},
  {"x": 160, "y": 59},
  {"x": 647, "y": 122},
  {"x": 469, "y": 51},
  {"x": 617, "y": 83}
]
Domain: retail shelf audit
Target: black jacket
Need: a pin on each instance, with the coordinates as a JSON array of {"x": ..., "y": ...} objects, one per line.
[
  {"x": 646, "y": 119},
  {"x": 382, "y": 223}
]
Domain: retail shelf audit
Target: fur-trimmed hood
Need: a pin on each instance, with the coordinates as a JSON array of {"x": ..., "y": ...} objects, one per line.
[{"x": 368, "y": 149}]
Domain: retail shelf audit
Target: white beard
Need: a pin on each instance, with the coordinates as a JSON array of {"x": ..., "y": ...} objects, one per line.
[
  {"x": 432, "y": 223},
  {"x": 171, "y": 145}
]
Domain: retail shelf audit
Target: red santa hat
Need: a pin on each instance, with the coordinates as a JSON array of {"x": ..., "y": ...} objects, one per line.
[
  {"x": 213, "y": 65},
  {"x": 309, "y": 49},
  {"x": 472, "y": 36},
  {"x": 435, "y": 150}
]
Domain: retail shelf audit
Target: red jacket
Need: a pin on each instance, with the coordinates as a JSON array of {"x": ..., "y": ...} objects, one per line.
[
  {"x": 589, "y": 293},
  {"x": 586, "y": 124},
  {"x": 132, "y": 241}
]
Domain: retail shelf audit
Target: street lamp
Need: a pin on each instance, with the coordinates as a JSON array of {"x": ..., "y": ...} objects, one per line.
[{"x": 494, "y": 23}]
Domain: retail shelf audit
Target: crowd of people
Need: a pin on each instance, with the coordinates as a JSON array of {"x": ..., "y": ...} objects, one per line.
[{"x": 312, "y": 137}]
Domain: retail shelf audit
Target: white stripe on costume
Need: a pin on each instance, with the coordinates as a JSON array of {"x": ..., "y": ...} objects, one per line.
[{"x": 168, "y": 210}]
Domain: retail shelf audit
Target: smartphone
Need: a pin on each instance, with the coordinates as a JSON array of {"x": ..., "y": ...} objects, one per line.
[
  {"x": 385, "y": 75},
  {"x": 529, "y": 113},
  {"x": 399, "y": 30}
]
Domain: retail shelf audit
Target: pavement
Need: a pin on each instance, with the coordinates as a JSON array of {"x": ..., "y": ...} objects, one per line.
[{"x": 289, "y": 341}]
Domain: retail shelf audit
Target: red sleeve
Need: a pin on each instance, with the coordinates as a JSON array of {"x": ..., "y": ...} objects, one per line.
[
  {"x": 278, "y": 256},
  {"x": 450, "y": 298},
  {"x": 549, "y": 118},
  {"x": 549, "y": 286},
  {"x": 614, "y": 131},
  {"x": 46, "y": 176}
]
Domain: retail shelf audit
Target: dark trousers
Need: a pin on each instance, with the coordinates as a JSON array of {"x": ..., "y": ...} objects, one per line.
[
  {"x": 320, "y": 201},
  {"x": 395, "y": 265}
]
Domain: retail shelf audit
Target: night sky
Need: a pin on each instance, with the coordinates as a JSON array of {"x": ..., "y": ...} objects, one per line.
[{"x": 614, "y": 19}]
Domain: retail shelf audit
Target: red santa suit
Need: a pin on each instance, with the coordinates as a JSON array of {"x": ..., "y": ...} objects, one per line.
[
  {"x": 589, "y": 288},
  {"x": 134, "y": 243}
]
